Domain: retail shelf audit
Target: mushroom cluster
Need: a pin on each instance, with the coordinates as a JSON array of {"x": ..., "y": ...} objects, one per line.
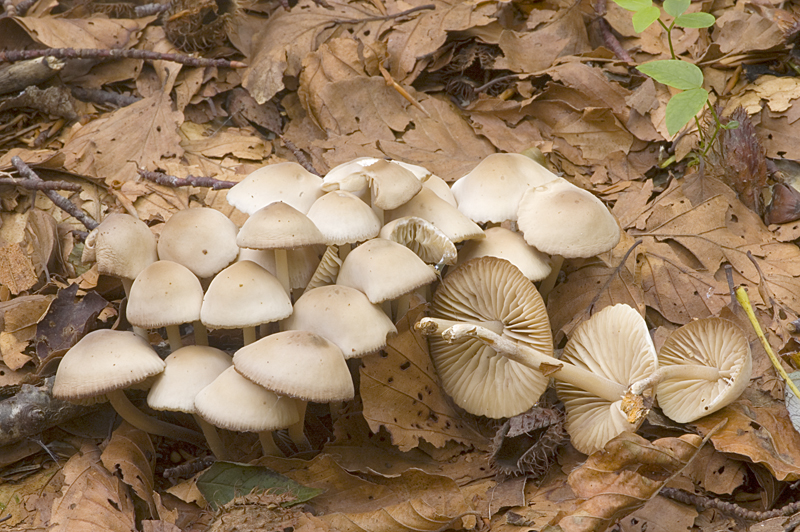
[{"x": 329, "y": 262}]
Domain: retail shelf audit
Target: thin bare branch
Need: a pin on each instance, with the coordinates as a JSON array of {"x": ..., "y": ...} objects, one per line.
[
  {"x": 12, "y": 56},
  {"x": 188, "y": 181}
]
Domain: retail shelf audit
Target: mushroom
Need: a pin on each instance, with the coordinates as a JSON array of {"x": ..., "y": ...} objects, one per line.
[
  {"x": 327, "y": 270},
  {"x": 188, "y": 370},
  {"x": 704, "y": 366},
  {"x": 565, "y": 221},
  {"x": 201, "y": 238},
  {"x": 165, "y": 294},
  {"x": 492, "y": 293},
  {"x": 104, "y": 362},
  {"x": 279, "y": 227},
  {"x": 448, "y": 219},
  {"x": 286, "y": 182},
  {"x": 343, "y": 219},
  {"x": 300, "y": 364},
  {"x": 493, "y": 189},
  {"x": 509, "y": 245},
  {"x": 232, "y": 402},
  {"x": 244, "y": 295}
]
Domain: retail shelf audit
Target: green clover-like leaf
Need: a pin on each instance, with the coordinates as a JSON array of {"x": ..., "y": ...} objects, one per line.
[
  {"x": 643, "y": 18},
  {"x": 684, "y": 106},
  {"x": 674, "y": 72},
  {"x": 634, "y": 5},
  {"x": 676, "y": 7},
  {"x": 695, "y": 20}
]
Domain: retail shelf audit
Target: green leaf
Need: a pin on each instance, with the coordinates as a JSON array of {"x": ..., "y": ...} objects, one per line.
[
  {"x": 225, "y": 480},
  {"x": 634, "y": 5},
  {"x": 674, "y": 72},
  {"x": 695, "y": 20},
  {"x": 642, "y": 19},
  {"x": 683, "y": 107},
  {"x": 676, "y": 7}
]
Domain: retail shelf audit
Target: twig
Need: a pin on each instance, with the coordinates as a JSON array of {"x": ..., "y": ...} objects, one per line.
[
  {"x": 188, "y": 181},
  {"x": 151, "y": 9},
  {"x": 301, "y": 157},
  {"x": 383, "y": 17},
  {"x": 704, "y": 502},
  {"x": 12, "y": 56},
  {"x": 103, "y": 97},
  {"x": 404, "y": 93},
  {"x": 34, "y": 184},
  {"x": 609, "y": 39},
  {"x": 189, "y": 469},
  {"x": 60, "y": 201}
]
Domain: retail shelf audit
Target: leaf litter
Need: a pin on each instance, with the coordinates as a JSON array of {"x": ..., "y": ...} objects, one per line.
[{"x": 440, "y": 84}]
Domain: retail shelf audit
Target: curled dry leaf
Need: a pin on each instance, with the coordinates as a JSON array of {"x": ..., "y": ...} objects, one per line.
[
  {"x": 131, "y": 456},
  {"x": 401, "y": 392}
]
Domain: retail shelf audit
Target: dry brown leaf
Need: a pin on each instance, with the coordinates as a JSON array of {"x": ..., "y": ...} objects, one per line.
[
  {"x": 660, "y": 515},
  {"x": 401, "y": 392},
  {"x": 93, "y": 499},
  {"x": 760, "y": 429},
  {"x": 54, "y": 32},
  {"x": 546, "y": 504},
  {"x": 623, "y": 476},
  {"x": 27, "y": 503},
  {"x": 738, "y": 32},
  {"x": 130, "y": 455},
  {"x": 716, "y": 472}
]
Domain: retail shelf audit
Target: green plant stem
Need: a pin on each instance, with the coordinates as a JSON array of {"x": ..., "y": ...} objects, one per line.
[
  {"x": 717, "y": 128},
  {"x": 669, "y": 37}
]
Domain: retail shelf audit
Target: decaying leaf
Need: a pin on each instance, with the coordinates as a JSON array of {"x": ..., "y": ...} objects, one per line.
[
  {"x": 401, "y": 392},
  {"x": 130, "y": 455}
]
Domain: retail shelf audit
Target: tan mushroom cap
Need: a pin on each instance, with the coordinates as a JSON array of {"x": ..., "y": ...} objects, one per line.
[
  {"x": 384, "y": 270},
  {"x": 493, "y": 292},
  {"x": 234, "y": 403},
  {"x": 711, "y": 342},
  {"x": 615, "y": 344},
  {"x": 421, "y": 237},
  {"x": 343, "y": 218},
  {"x": 349, "y": 176},
  {"x": 104, "y": 361},
  {"x": 439, "y": 186},
  {"x": 559, "y": 218},
  {"x": 509, "y": 245},
  {"x": 244, "y": 295},
  {"x": 493, "y": 189},
  {"x": 344, "y": 316},
  {"x": 391, "y": 184},
  {"x": 428, "y": 206},
  {"x": 202, "y": 239},
  {"x": 286, "y": 182},
  {"x": 122, "y": 245},
  {"x": 278, "y": 226},
  {"x": 188, "y": 370},
  {"x": 164, "y": 293},
  {"x": 299, "y": 364}
]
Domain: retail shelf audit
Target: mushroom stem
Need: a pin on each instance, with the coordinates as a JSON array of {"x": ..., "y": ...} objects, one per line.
[
  {"x": 679, "y": 371},
  {"x": 200, "y": 333},
  {"x": 428, "y": 326},
  {"x": 126, "y": 285},
  {"x": 142, "y": 421},
  {"x": 546, "y": 286},
  {"x": 249, "y": 335},
  {"x": 212, "y": 438},
  {"x": 558, "y": 369},
  {"x": 268, "y": 444},
  {"x": 296, "y": 431},
  {"x": 174, "y": 337},
  {"x": 282, "y": 269}
]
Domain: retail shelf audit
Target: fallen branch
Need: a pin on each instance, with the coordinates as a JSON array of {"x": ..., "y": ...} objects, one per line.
[
  {"x": 703, "y": 502},
  {"x": 188, "y": 181},
  {"x": 103, "y": 97},
  {"x": 33, "y": 184},
  {"x": 12, "y": 56},
  {"x": 395, "y": 16},
  {"x": 60, "y": 201}
]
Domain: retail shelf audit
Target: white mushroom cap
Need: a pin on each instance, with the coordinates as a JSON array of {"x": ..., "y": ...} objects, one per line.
[
  {"x": 299, "y": 364},
  {"x": 391, "y": 184},
  {"x": 234, "y": 403},
  {"x": 244, "y": 295},
  {"x": 343, "y": 218},
  {"x": 505, "y": 244},
  {"x": 421, "y": 237},
  {"x": 711, "y": 342},
  {"x": 349, "y": 176},
  {"x": 615, "y": 344},
  {"x": 164, "y": 293},
  {"x": 122, "y": 246},
  {"x": 428, "y": 206},
  {"x": 492, "y": 190},
  {"x": 492, "y": 292},
  {"x": 202, "y": 239},
  {"x": 188, "y": 370},
  {"x": 278, "y": 226},
  {"x": 384, "y": 270},
  {"x": 439, "y": 186},
  {"x": 559, "y": 218},
  {"x": 103, "y": 361},
  {"x": 286, "y": 182},
  {"x": 344, "y": 316}
]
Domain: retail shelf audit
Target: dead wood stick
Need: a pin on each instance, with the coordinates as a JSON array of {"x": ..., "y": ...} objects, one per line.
[
  {"x": 188, "y": 181},
  {"x": 18, "y": 76},
  {"x": 33, "y": 184},
  {"x": 299, "y": 155},
  {"x": 60, "y": 201},
  {"x": 103, "y": 97},
  {"x": 33, "y": 410},
  {"x": 383, "y": 17},
  {"x": 12, "y": 56},
  {"x": 609, "y": 39}
]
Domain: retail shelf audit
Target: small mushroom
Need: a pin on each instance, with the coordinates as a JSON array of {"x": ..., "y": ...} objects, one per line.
[{"x": 286, "y": 182}]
